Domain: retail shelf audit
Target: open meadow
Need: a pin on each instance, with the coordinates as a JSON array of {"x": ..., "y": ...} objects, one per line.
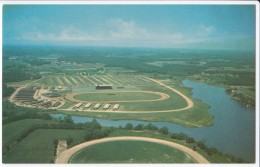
[{"x": 39, "y": 146}]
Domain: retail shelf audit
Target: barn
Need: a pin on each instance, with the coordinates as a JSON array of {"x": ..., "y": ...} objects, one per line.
[{"x": 103, "y": 87}]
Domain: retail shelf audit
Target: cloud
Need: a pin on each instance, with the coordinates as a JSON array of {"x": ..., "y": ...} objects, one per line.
[
  {"x": 68, "y": 34},
  {"x": 119, "y": 32},
  {"x": 203, "y": 30},
  {"x": 126, "y": 29}
]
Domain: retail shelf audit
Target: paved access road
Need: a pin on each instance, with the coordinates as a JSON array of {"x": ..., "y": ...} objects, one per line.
[{"x": 66, "y": 155}]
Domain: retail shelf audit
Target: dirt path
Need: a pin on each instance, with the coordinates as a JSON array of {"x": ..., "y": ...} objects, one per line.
[
  {"x": 96, "y": 80},
  {"x": 188, "y": 100},
  {"x": 104, "y": 81},
  {"x": 113, "y": 81},
  {"x": 36, "y": 81},
  {"x": 75, "y": 81},
  {"x": 67, "y": 81},
  {"x": 113, "y": 78},
  {"x": 11, "y": 98},
  {"x": 66, "y": 155},
  {"x": 90, "y": 80},
  {"x": 81, "y": 81},
  {"x": 51, "y": 80},
  {"x": 59, "y": 81}
]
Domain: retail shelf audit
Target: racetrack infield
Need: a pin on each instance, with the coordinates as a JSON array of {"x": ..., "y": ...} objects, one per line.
[
  {"x": 66, "y": 155},
  {"x": 117, "y": 96},
  {"x": 173, "y": 101},
  {"x": 130, "y": 152}
]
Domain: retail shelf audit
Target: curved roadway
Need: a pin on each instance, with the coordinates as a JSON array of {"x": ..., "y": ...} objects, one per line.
[
  {"x": 71, "y": 96},
  {"x": 66, "y": 155}
]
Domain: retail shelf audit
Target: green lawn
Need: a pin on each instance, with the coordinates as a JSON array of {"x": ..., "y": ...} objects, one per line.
[
  {"x": 175, "y": 101},
  {"x": 38, "y": 147},
  {"x": 130, "y": 152},
  {"x": 67, "y": 105},
  {"x": 117, "y": 96}
]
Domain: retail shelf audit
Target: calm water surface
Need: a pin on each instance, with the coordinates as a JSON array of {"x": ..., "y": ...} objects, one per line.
[{"x": 234, "y": 125}]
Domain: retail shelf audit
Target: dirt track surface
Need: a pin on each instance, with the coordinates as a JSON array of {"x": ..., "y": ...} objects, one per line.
[
  {"x": 188, "y": 100},
  {"x": 15, "y": 93},
  {"x": 66, "y": 155}
]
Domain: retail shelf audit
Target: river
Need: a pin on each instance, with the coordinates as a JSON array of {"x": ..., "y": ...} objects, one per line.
[{"x": 234, "y": 126}]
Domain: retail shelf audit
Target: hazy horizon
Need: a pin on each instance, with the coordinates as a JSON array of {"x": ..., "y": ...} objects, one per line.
[{"x": 221, "y": 27}]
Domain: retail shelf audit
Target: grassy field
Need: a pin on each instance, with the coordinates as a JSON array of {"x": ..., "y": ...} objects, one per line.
[
  {"x": 117, "y": 96},
  {"x": 90, "y": 80},
  {"x": 130, "y": 152},
  {"x": 13, "y": 129},
  {"x": 174, "y": 101},
  {"x": 38, "y": 147},
  {"x": 67, "y": 105}
]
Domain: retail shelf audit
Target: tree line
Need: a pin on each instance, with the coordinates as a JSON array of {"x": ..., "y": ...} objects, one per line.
[
  {"x": 13, "y": 113},
  {"x": 184, "y": 137}
]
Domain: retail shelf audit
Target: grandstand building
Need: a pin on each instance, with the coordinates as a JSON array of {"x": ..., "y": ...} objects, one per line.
[{"x": 103, "y": 87}]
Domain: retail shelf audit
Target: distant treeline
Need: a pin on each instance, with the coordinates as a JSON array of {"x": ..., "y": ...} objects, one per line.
[{"x": 133, "y": 59}]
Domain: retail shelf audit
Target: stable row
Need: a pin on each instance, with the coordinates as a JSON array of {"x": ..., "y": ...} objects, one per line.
[{"x": 97, "y": 106}]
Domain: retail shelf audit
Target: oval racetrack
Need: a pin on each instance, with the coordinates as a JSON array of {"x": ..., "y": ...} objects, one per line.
[
  {"x": 187, "y": 99},
  {"x": 66, "y": 155}
]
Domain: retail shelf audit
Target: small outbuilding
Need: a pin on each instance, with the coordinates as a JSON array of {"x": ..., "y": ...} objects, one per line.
[
  {"x": 97, "y": 106},
  {"x": 78, "y": 105},
  {"x": 116, "y": 107},
  {"x": 87, "y": 105},
  {"x": 106, "y": 106}
]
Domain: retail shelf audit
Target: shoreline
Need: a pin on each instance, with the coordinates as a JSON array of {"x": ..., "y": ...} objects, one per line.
[{"x": 226, "y": 87}]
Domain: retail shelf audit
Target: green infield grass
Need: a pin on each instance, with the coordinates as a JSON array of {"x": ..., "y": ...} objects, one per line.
[
  {"x": 117, "y": 96},
  {"x": 130, "y": 152}
]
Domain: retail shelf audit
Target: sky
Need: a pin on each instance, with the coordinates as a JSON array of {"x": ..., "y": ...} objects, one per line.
[{"x": 161, "y": 26}]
